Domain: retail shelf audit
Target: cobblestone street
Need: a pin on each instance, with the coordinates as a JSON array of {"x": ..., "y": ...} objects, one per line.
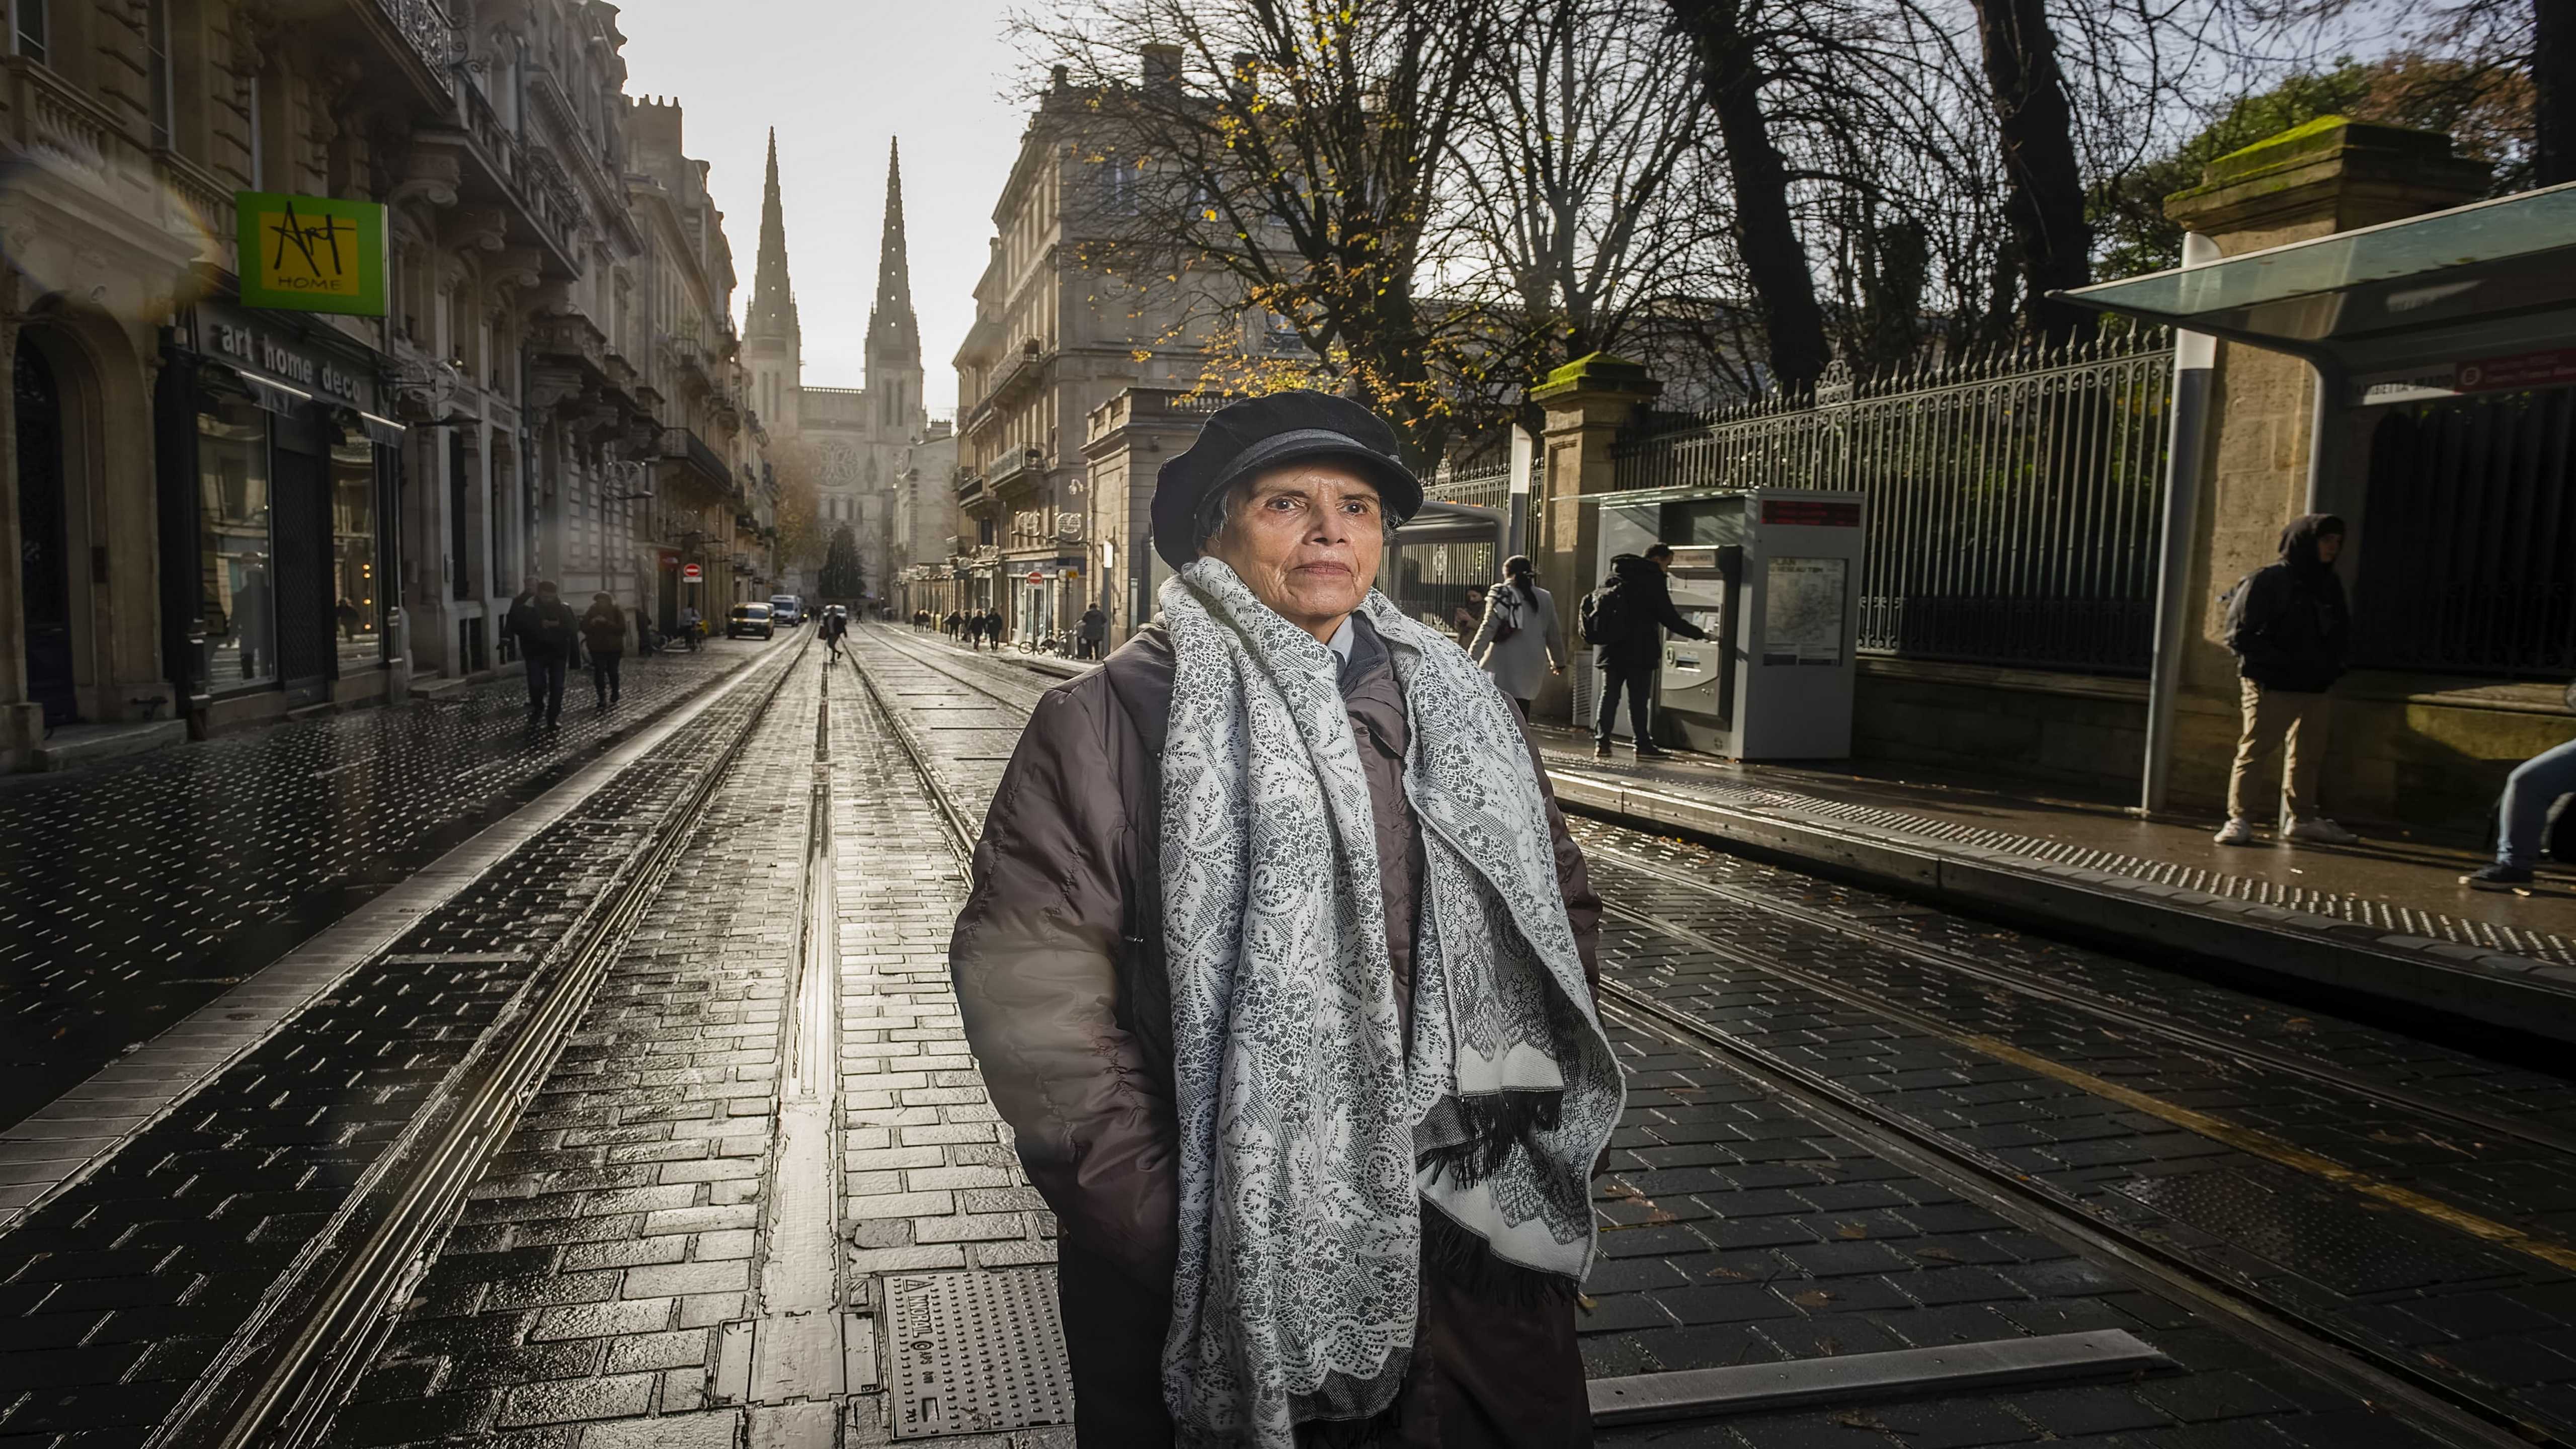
[
  {"x": 133, "y": 892},
  {"x": 667, "y": 1108}
]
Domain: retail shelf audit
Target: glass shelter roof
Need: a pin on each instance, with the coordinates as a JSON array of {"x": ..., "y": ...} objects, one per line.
[{"x": 2482, "y": 281}]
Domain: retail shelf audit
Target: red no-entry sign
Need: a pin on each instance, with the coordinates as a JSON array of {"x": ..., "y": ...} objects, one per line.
[{"x": 691, "y": 573}]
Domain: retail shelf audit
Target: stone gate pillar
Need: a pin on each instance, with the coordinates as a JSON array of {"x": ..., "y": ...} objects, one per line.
[{"x": 1587, "y": 402}]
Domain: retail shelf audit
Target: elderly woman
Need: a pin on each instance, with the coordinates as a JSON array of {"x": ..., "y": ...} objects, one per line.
[{"x": 1279, "y": 962}]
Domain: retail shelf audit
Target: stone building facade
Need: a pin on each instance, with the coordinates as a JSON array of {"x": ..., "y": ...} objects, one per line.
[
  {"x": 860, "y": 440},
  {"x": 217, "y": 515}
]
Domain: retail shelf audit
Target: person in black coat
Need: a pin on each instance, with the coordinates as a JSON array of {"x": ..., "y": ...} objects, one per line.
[
  {"x": 1637, "y": 605},
  {"x": 2289, "y": 629}
]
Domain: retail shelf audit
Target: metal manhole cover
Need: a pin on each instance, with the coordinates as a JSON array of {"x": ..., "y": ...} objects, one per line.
[{"x": 976, "y": 1353}]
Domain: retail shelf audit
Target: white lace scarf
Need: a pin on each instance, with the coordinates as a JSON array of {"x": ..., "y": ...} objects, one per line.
[{"x": 1300, "y": 1117}]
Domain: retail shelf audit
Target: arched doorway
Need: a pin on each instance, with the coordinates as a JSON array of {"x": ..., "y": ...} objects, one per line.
[{"x": 44, "y": 548}]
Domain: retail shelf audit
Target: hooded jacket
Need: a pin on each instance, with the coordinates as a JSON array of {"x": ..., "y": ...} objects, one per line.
[
  {"x": 2288, "y": 626},
  {"x": 1646, "y": 603}
]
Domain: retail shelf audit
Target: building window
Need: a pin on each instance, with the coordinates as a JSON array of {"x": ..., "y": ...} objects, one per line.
[
  {"x": 29, "y": 27},
  {"x": 156, "y": 52}
]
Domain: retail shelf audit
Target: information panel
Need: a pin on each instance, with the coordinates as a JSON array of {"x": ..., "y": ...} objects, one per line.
[{"x": 1803, "y": 620}]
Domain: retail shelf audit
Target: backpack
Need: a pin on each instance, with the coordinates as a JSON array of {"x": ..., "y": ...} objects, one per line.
[
  {"x": 2231, "y": 607},
  {"x": 1606, "y": 616},
  {"x": 1507, "y": 612}
]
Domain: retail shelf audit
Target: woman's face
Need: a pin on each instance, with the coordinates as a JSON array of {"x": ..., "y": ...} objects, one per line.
[{"x": 1306, "y": 538}]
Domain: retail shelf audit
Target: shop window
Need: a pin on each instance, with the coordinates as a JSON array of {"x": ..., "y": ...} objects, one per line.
[
  {"x": 356, "y": 612},
  {"x": 237, "y": 560}
]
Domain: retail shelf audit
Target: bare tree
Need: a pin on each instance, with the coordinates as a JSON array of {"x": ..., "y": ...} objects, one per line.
[
  {"x": 1578, "y": 223},
  {"x": 1294, "y": 146},
  {"x": 1729, "y": 41}
]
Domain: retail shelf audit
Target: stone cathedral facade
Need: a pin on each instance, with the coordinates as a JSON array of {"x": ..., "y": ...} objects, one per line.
[{"x": 865, "y": 438}]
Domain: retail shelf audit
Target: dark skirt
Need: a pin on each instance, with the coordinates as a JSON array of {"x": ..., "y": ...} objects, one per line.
[{"x": 1494, "y": 1360}]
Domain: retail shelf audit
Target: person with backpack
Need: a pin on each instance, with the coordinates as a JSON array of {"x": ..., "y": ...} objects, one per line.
[
  {"x": 1625, "y": 619},
  {"x": 1516, "y": 643},
  {"x": 545, "y": 627},
  {"x": 603, "y": 635},
  {"x": 2289, "y": 628}
]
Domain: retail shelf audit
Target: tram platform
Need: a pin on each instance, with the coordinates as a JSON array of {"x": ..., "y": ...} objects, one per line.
[{"x": 2385, "y": 922}]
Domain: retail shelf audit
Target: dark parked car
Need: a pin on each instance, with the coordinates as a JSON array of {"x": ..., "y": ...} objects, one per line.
[{"x": 750, "y": 619}]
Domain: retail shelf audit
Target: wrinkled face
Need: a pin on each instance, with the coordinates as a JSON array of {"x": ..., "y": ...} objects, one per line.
[{"x": 1306, "y": 538}]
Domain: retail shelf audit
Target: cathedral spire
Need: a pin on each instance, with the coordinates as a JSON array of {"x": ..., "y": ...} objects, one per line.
[
  {"x": 894, "y": 336},
  {"x": 773, "y": 301}
]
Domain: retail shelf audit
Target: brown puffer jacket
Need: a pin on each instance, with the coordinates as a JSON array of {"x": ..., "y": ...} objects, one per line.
[{"x": 1058, "y": 960}]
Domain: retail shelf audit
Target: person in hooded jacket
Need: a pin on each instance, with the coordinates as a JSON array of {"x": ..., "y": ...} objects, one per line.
[
  {"x": 2289, "y": 629},
  {"x": 1634, "y": 651},
  {"x": 603, "y": 633}
]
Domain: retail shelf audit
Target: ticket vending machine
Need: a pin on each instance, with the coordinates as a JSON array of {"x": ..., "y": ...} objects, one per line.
[{"x": 1773, "y": 576}]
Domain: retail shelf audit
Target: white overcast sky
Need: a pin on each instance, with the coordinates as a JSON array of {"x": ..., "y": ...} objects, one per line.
[{"x": 838, "y": 78}]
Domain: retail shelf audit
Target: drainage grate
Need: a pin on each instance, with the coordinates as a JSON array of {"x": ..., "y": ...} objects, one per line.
[{"x": 976, "y": 1353}]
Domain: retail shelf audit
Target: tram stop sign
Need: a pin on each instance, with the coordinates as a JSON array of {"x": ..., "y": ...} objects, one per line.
[{"x": 692, "y": 573}]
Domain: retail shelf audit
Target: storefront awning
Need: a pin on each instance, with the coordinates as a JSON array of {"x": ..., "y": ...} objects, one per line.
[
  {"x": 383, "y": 432},
  {"x": 276, "y": 397},
  {"x": 2489, "y": 287}
]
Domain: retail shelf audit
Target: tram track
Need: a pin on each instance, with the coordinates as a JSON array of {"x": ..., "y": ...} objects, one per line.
[
  {"x": 280, "y": 1377},
  {"x": 2453, "y": 1408}
]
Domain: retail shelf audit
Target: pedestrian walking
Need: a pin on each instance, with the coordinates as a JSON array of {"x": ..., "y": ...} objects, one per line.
[
  {"x": 948, "y": 625},
  {"x": 835, "y": 624},
  {"x": 603, "y": 633},
  {"x": 1625, "y": 619},
  {"x": 1313, "y": 1184},
  {"x": 2289, "y": 628},
  {"x": 1093, "y": 634},
  {"x": 545, "y": 628},
  {"x": 2522, "y": 817},
  {"x": 689, "y": 626},
  {"x": 1516, "y": 640}
]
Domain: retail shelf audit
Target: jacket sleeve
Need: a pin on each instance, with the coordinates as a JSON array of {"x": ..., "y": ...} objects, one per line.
[
  {"x": 1485, "y": 631},
  {"x": 1670, "y": 617},
  {"x": 2249, "y": 633},
  {"x": 1035, "y": 957},
  {"x": 1573, "y": 878}
]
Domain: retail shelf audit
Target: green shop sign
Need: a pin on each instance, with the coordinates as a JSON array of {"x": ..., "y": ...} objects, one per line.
[{"x": 312, "y": 254}]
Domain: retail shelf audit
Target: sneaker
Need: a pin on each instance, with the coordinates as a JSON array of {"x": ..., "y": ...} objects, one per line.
[
  {"x": 1600, "y": 749},
  {"x": 2318, "y": 830},
  {"x": 2497, "y": 878},
  {"x": 2239, "y": 831},
  {"x": 1648, "y": 750}
]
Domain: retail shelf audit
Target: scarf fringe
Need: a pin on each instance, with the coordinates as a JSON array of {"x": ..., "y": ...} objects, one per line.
[{"x": 1494, "y": 1126}]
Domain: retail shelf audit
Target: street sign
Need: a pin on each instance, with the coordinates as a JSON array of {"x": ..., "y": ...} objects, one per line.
[
  {"x": 691, "y": 574},
  {"x": 1035, "y": 577},
  {"x": 2552, "y": 368},
  {"x": 311, "y": 253}
]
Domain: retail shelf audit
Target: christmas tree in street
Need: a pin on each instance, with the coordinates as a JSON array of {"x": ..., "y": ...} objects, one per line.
[{"x": 841, "y": 579}]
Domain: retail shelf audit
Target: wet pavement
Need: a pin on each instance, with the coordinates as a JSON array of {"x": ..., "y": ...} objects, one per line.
[
  {"x": 758, "y": 1196},
  {"x": 134, "y": 891}
]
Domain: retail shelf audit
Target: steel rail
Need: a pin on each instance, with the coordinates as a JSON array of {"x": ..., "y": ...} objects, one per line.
[
  {"x": 2455, "y": 1415},
  {"x": 2021, "y": 984},
  {"x": 2433, "y": 1404},
  {"x": 2190, "y": 1037},
  {"x": 284, "y": 1372}
]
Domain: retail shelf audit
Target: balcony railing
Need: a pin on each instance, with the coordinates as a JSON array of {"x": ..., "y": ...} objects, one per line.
[{"x": 425, "y": 27}]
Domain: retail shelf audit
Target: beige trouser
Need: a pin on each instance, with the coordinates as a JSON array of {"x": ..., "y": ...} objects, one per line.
[{"x": 2281, "y": 719}]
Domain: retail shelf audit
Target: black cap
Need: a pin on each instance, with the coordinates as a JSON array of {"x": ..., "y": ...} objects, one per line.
[{"x": 1243, "y": 438}]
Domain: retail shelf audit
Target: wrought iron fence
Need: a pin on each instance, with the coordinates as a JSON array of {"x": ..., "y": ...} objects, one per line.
[
  {"x": 2012, "y": 501},
  {"x": 1479, "y": 487},
  {"x": 2468, "y": 538}
]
